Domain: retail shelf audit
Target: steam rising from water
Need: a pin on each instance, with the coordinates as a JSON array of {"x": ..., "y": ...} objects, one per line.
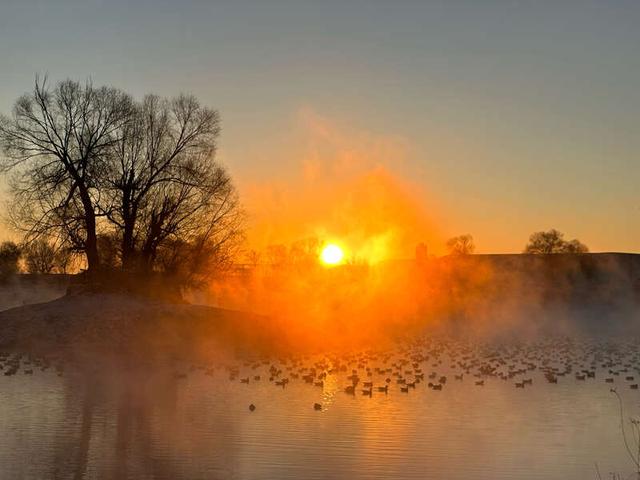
[{"x": 354, "y": 188}]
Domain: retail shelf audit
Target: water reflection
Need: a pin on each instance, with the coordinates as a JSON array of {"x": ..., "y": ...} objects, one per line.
[{"x": 120, "y": 422}]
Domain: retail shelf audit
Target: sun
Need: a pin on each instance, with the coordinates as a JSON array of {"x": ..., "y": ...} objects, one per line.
[{"x": 331, "y": 254}]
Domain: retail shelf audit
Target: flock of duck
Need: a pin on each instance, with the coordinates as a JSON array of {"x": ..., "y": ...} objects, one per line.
[
  {"x": 435, "y": 363},
  {"x": 12, "y": 364},
  {"x": 430, "y": 362}
]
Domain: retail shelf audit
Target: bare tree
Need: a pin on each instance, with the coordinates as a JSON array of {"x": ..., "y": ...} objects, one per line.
[
  {"x": 277, "y": 255},
  {"x": 303, "y": 253},
  {"x": 253, "y": 258},
  {"x": 552, "y": 241},
  {"x": 164, "y": 186},
  {"x": 201, "y": 209},
  {"x": 461, "y": 245},
  {"x": 56, "y": 140},
  {"x": 110, "y": 255},
  {"x": 191, "y": 264},
  {"x": 43, "y": 255},
  {"x": 575, "y": 246},
  {"x": 65, "y": 260},
  {"x": 9, "y": 256},
  {"x": 129, "y": 184},
  {"x": 39, "y": 256}
]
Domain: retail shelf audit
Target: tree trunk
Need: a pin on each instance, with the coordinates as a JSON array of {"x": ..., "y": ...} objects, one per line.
[
  {"x": 91, "y": 242},
  {"x": 128, "y": 253},
  {"x": 147, "y": 258},
  {"x": 129, "y": 215},
  {"x": 128, "y": 247}
]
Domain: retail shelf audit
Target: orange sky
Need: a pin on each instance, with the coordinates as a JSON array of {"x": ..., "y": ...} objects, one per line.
[
  {"x": 343, "y": 186},
  {"x": 369, "y": 192}
]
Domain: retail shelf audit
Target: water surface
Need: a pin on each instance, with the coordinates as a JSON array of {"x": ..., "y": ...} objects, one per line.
[{"x": 123, "y": 423}]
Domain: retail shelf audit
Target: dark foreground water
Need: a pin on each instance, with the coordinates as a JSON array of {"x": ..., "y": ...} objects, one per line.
[{"x": 122, "y": 424}]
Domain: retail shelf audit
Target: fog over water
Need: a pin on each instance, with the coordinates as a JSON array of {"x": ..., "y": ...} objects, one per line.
[
  {"x": 123, "y": 423},
  {"x": 485, "y": 367}
]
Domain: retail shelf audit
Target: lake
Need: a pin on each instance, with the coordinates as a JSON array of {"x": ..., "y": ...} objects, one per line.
[{"x": 194, "y": 422}]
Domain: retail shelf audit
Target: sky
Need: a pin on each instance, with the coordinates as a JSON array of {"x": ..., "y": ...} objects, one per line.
[{"x": 494, "y": 118}]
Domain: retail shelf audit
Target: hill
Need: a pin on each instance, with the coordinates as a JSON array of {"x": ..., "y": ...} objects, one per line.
[{"x": 117, "y": 324}]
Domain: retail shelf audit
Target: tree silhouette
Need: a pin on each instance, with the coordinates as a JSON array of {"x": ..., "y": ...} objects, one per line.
[
  {"x": 163, "y": 182},
  {"x": 39, "y": 256},
  {"x": 461, "y": 245},
  {"x": 56, "y": 141},
  {"x": 9, "y": 257},
  {"x": 552, "y": 241},
  {"x": 130, "y": 184}
]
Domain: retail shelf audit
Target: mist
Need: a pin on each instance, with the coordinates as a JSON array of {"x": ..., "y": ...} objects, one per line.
[{"x": 354, "y": 189}]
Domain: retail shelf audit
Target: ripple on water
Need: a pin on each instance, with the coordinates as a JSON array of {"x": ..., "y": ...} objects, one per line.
[{"x": 201, "y": 427}]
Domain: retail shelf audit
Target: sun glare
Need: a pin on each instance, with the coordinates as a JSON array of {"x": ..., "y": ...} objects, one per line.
[{"x": 332, "y": 254}]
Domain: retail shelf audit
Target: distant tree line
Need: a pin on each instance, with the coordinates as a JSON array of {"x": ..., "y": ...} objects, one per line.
[
  {"x": 125, "y": 184},
  {"x": 545, "y": 242},
  {"x": 36, "y": 257},
  {"x": 301, "y": 254}
]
